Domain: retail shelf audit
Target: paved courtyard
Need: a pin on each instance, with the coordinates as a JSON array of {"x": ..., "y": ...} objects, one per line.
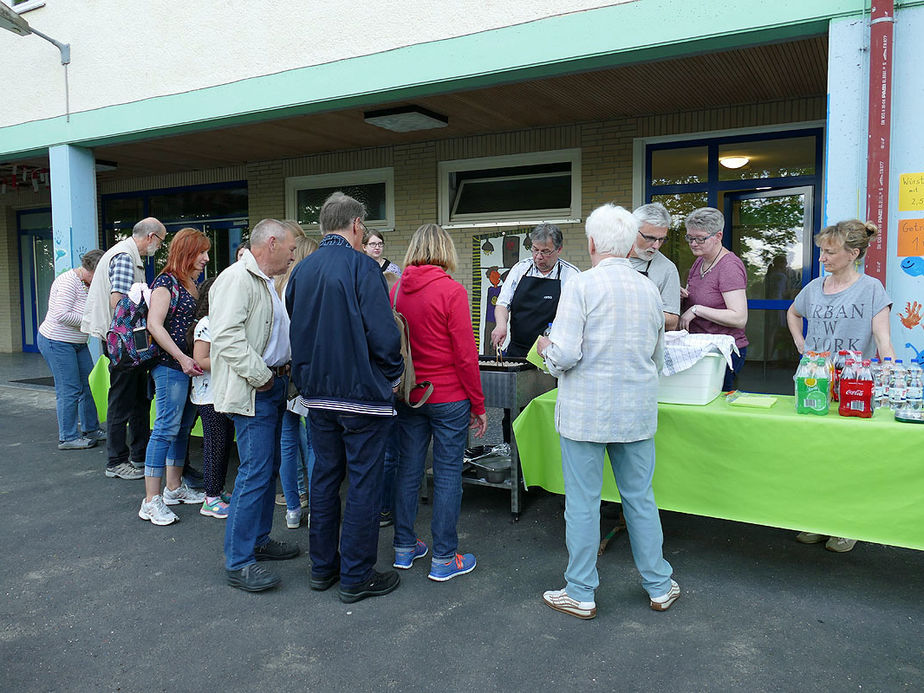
[{"x": 93, "y": 598}]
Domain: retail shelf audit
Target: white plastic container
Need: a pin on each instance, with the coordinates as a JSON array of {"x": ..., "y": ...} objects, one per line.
[{"x": 699, "y": 384}]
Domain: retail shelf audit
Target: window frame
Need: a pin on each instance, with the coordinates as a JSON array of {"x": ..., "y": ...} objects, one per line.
[
  {"x": 293, "y": 184},
  {"x": 24, "y": 7},
  {"x": 572, "y": 215}
]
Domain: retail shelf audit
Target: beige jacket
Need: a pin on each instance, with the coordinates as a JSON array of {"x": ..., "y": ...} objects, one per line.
[
  {"x": 240, "y": 325},
  {"x": 97, "y": 315}
]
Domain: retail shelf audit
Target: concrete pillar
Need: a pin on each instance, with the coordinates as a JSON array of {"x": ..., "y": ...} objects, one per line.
[{"x": 73, "y": 204}]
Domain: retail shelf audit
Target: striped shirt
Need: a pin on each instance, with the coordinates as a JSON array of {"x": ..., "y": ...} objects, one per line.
[
  {"x": 606, "y": 351},
  {"x": 65, "y": 309}
]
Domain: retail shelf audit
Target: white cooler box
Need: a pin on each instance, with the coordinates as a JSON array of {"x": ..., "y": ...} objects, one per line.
[{"x": 699, "y": 384}]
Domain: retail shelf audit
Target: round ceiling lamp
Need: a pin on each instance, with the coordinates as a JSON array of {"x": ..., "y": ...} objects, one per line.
[{"x": 733, "y": 161}]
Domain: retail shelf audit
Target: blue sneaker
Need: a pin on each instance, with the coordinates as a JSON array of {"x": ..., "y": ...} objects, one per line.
[
  {"x": 460, "y": 565},
  {"x": 404, "y": 558}
]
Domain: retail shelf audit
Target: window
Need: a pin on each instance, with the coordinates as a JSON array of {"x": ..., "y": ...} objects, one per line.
[
  {"x": 21, "y": 6},
  {"x": 375, "y": 188},
  {"x": 510, "y": 190}
]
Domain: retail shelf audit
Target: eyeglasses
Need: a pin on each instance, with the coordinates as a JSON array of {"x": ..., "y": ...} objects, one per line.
[
  {"x": 543, "y": 253},
  {"x": 160, "y": 238},
  {"x": 653, "y": 239},
  {"x": 699, "y": 241},
  {"x": 376, "y": 244}
]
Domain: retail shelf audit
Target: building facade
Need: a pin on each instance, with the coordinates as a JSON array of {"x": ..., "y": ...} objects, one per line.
[{"x": 489, "y": 120}]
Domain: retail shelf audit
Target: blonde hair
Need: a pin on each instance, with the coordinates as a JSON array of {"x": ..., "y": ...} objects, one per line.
[
  {"x": 304, "y": 246},
  {"x": 431, "y": 245},
  {"x": 853, "y": 234}
]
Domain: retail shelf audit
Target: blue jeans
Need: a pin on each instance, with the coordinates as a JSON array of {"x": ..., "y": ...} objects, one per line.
[
  {"x": 731, "y": 374},
  {"x": 633, "y": 468},
  {"x": 250, "y": 517},
  {"x": 447, "y": 423},
  {"x": 297, "y": 459},
  {"x": 175, "y": 418},
  {"x": 392, "y": 453},
  {"x": 350, "y": 445},
  {"x": 70, "y": 365}
]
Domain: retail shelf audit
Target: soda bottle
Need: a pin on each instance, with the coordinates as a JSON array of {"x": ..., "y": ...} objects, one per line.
[
  {"x": 915, "y": 391},
  {"x": 856, "y": 389},
  {"x": 898, "y": 385},
  {"x": 839, "y": 362}
]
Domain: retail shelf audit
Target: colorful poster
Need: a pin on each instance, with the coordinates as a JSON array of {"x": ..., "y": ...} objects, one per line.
[
  {"x": 493, "y": 254},
  {"x": 911, "y": 192}
]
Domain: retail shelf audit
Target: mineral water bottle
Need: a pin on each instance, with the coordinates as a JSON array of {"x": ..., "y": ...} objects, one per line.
[
  {"x": 876, "y": 373},
  {"x": 898, "y": 386},
  {"x": 886, "y": 380},
  {"x": 547, "y": 331},
  {"x": 915, "y": 391}
]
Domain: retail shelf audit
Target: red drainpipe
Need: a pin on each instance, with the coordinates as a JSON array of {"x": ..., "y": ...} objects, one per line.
[{"x": 882, "y": 18}]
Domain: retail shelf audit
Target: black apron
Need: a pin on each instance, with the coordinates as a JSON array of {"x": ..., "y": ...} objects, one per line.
[{"x": 531, "y": 310}]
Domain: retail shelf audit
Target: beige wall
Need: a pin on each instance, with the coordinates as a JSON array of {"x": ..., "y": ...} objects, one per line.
[{"x": 127, "y": 51}]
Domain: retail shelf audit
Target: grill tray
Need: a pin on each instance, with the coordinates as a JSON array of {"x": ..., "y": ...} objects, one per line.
[{"x": 489, "y": 363}]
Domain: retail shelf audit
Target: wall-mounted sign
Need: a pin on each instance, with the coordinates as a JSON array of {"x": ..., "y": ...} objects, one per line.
[
  {"x": 910, "y": 237},
  {"x": 910, "y": 192}
]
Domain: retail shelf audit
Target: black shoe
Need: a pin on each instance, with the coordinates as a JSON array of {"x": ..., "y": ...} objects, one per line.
[
  {"x": 252, "y": 578},
  {"x": 276, "y": 551},
  {"x": 375, "y": 586},
  {"x": 322, "y": 583},
  {"x": 193, "y": 478},
  {"x": 386, "y": 519}
]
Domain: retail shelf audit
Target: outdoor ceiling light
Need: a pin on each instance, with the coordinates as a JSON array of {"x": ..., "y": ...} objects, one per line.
[
  {"x": 406, "y": 119},
  {"x": 733, "y": 161},
  {"x": 103, "y": 165}
]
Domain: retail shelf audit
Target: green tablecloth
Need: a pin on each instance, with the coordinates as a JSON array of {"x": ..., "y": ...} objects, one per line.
[
  {"x": 99, "y": 386},
  {"x": 848, "y": 477}
]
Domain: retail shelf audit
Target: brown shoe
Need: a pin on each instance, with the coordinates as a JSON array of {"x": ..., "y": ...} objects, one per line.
[{"x": 281, "y": 499}]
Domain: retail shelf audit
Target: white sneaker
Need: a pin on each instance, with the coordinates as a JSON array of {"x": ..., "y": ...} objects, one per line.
[
  {"x": 157, "y": 512},
  {"x": 293, "y": 518},
  {"x": 840, "y": 544},
  {"x": 560, "y": 601},
  {"x": 663, "y": 603},
  {"x": 182, "y": 494}
]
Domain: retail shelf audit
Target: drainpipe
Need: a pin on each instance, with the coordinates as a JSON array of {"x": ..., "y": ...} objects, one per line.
[{"x": 882, "y": 20}]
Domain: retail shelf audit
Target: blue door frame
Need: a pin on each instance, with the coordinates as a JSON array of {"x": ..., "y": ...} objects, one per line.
[{"x": 28, "y": 290}]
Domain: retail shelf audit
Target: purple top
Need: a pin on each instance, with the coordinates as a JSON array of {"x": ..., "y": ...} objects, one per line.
[{"x": 727, "y": 275}]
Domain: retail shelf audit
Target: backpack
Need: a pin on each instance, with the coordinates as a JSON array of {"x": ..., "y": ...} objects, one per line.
[
  {"x": 128, "y": 343},
  {"x": 408, "y": 382}
]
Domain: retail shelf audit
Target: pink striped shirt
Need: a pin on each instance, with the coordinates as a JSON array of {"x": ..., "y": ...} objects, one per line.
[{"x": 65, "y": 309}]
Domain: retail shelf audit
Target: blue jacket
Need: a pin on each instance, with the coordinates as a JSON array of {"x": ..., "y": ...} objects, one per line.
[{"x": 346, "y": 348}]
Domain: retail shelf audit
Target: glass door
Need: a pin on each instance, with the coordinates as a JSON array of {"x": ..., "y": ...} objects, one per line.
[
  {"x": 771, "y": 231},
  {"x": 36, "y": 271}
]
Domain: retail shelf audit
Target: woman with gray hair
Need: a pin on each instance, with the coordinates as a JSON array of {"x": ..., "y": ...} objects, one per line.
[
  {"x": 65, "y": 350},
  {"x": 715, "y": 298},
  {"x": 606, "y": 349}
]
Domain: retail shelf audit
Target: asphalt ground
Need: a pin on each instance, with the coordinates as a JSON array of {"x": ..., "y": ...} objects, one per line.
[{"x": 93, "y": 598}]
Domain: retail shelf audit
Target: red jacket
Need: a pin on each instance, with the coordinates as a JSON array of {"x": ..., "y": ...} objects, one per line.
[{"x": 442, "y": 341}]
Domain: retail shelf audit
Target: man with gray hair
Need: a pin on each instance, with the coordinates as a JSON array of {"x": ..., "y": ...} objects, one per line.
[
  {"x": 250, "y": 359},
  {"x": 531, "y": 291},
  {"x": 128, "y": 406},
  {"x": 646, "y": 258},
  {"x": 606, "y": 349}
]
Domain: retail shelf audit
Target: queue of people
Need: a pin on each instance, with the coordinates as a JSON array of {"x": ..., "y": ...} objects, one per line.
[{"x": 295, "y": 349}]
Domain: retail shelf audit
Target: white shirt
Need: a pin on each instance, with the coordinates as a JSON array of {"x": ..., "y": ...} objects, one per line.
[
  {"x": 278, "y": 350},
  {"x": 527, "y": 268},
  {"x": 201, "y": 392},
  {"x": 606, "y": 351}
]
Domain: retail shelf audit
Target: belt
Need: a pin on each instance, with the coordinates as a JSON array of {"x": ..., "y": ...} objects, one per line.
[{"x": 284, "y": 369}]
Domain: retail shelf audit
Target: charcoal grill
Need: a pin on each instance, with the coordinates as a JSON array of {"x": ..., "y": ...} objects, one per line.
[{"x": 511, "y": 385}]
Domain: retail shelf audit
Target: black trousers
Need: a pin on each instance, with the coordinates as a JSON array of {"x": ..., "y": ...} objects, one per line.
[{"x": 128, "y": 411}]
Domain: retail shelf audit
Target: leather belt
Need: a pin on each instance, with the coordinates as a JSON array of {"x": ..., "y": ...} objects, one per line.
[{"x": 284, "y": 369}]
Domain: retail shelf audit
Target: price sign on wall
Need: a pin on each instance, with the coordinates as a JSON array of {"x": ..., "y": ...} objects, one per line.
[
  {"x": 910, "y": 237},
  {"x": 910, "y": 193}
]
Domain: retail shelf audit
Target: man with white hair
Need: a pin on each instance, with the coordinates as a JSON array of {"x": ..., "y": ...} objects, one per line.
[
  {"x": 250, "y": 359},
  {"x": 654, "y": 223},
  {"x": 128, "y": 406},
  {"x": 605, "y": 348}
]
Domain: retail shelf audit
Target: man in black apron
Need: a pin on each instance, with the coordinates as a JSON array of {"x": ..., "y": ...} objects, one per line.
[{"x": 536, "y": 287}]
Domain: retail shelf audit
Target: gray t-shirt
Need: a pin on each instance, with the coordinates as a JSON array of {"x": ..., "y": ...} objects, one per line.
[
  {"x": 843, "y": 320},
  {"x": 665, "y": 276}
]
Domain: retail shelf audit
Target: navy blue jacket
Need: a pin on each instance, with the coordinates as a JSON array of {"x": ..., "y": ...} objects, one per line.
[{"x": 346, "y": 348}]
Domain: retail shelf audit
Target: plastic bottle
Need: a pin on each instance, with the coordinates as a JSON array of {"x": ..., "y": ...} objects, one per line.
[
  {"x": 898, "y": 386},
  {"x": 887, "y": 366},
  {"x": 856, "y": 389},
  {"x": 839, "y": 362},
  {"x": 876, "y": 373},
  {"x": 547, "y": 331},
  {"x": 915, "y": 391}
]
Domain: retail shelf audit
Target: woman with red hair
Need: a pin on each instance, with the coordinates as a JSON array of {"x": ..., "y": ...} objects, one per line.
[{"x": 171, "y": 311}]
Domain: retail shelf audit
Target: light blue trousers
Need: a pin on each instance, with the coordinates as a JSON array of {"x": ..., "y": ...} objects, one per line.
[{"x": 633, "y": 468}]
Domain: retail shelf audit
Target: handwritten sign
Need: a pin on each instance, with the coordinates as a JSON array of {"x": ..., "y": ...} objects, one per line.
[
  {"x": 910, "y": 237},
  {"x": 910, "y": 192}
]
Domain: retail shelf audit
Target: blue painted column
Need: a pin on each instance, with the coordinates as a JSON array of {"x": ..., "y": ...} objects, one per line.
[{"x": 73, "y": 204}]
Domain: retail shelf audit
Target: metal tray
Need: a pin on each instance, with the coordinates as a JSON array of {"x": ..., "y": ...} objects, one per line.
[{"x": 489, "y": 363}]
